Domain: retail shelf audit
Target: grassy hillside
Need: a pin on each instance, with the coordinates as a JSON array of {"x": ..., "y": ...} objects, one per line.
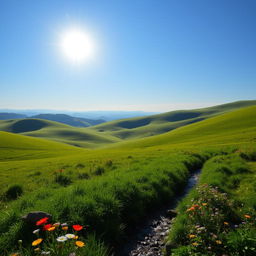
[
  {"x": 116, "y": 131},
  {"x": 157, "y": 124},
  {"x": 15, "y": 147},
  {"x": 56, "y": 131},
  {"x": 233, "y": 127}
]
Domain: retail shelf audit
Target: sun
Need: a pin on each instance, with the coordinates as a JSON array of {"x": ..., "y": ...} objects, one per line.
[{"x": 77, "y": 45}]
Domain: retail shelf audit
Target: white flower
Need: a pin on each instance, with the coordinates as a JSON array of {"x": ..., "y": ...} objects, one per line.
[
  {"x": 72, "y": 254},
  {"x": 64, "y": 224},
  {"x": 36, "y": 231},
  {"x": 61, "y": 239},
  {"x": 45, "y": 253},
  {"x": 70, "y": 236}
]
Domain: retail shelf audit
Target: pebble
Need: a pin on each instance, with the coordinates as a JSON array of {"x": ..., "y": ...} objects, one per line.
[{"x": 153, "y": 243}]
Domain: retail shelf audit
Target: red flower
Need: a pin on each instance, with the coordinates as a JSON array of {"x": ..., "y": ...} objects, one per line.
[
  {"x": 42, "y": 221},
  {"x": 46, "y": 227},
  {"x": 77, "y": 227}
]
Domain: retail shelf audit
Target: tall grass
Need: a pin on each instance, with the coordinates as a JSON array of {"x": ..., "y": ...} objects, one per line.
[
  {"x": 220, "y": 219},
  {"x": 108, "y": 204}
]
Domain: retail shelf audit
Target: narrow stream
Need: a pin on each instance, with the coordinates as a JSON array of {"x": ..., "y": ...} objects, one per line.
[{"x": 148, "y": 239}]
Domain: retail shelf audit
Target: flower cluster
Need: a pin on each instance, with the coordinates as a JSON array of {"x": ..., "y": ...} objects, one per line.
[
  {"x": 54, "y": 239},
  {"x": 211, "y": 220},
  {"x": 208, "y": 220}
]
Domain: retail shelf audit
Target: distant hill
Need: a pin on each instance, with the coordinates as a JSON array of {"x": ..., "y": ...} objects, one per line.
[
  {"x": 70, "y": 120},
  {"x": 157, "y": 124},
  {"x": 6, "y": 116},
  {"x": 106, "y": 115},
  {"x": 238, "y": 126},
  {"x": 119, "y": 131},
  {"x": 56, "y": 131},
  {"x": 61, "y": 118}
]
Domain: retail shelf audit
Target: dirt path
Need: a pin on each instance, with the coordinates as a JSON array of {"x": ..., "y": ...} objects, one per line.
[{"x": 148, "y": 239}]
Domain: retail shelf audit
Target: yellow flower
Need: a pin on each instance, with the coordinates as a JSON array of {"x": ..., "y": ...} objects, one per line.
[
  {"x": 192, "y": 236},
  {"x": 37, "y": 249},
  {"x": 76, "y": 237},
  {"x": 204, "y": 204},
  {"x": 195, "y": 243},
  {"x": 79, "y": 243},
  {"x": 37, "y": 242},
  {"x": 51, "y": 229},
  {"x": 225, "y": 223},
  {"x": 65, "y": 228},
  {"x": 56, "y": 224},
  {"x": 218, "y": 242}
]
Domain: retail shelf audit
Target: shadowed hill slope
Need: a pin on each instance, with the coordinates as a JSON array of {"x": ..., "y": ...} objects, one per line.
[
  {"x": 161, "y": 123},
  {"x": 51, "y": 130},
  {"x": 238, "y": 126},
  {"x": 116, "y": 131}
]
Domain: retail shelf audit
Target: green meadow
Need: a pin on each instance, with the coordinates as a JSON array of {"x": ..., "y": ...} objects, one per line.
[{"x": 108, "y": 177}]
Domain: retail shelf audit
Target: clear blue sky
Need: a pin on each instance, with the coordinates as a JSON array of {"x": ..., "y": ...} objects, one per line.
[{"x": 153, "y": 55}]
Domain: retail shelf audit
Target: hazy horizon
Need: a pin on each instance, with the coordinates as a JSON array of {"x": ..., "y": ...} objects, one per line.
[{"x": 151, "y": 109}]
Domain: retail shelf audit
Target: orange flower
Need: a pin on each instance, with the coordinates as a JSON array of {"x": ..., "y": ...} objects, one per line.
[
  {"x": 65, "y": 228},
  {"x": 46, "y": 227},
  {"x": 42, "y": 221},
  {"x": 77, "y": 227},
  {"x": 204, "y": 204},
  {"x": 191, "y": 209},
  {"x": 37, "y": 242},
  {"x": 225, "y": 223},
  {"x": 51, "y": 228},
  {"x": 247, "y": 216},
  {"x": 79, "y": 243}
]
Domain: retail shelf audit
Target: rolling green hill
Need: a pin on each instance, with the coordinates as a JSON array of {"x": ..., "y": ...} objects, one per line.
[
  {"x": 157, "y": 124},
  {"x": 15, "y": 147},
  {"x": 235, "y": 127},
  {"x": 116, "y": 131},
  {"x": 51, "y": 130}
]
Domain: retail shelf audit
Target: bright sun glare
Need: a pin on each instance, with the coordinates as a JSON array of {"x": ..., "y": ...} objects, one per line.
[{"x": 77, "y": 45}]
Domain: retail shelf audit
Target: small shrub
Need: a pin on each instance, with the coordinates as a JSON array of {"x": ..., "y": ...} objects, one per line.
[
  {"x": 63, "y": 180},
  {"x": 99, "y": 170},
  {"x": 37, "y": 173},
  {"x": 80, "y": 166},
  {"x": 83, "y": 176},
  {"x": 13, "y": 192},
  {"x": 109, "y": 163}
]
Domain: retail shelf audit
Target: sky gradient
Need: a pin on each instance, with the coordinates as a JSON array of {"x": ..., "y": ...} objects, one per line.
[{"x": 150, "y": 55}]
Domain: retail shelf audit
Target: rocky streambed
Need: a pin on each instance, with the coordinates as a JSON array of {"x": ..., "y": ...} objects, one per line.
[{"x": 149, "y": 238}]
